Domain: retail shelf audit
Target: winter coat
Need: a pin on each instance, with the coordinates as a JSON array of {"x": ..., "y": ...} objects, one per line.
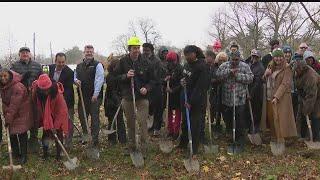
[
  {"x": 174, "y": 83},
  {"x": 143, "y": 77},
  {"x": 282, "y": 91},
  {"x": 308, "y": 85},
  {"x": 215, "y": 89},
  {"x": 66, "y": 78},
  {"x": 266, "y": 60},
  {"x": 197, "y": 78},
  {"x": 112, "y": 96},
  {"x": 315, "y": 65},
  {"x": 30, "y": 71},
  {"x": 55, "y": 106},
  {"x": 243, "y": 77},
  {"x": 256, "y": 87},
  {"x": 16, "y": 105}
]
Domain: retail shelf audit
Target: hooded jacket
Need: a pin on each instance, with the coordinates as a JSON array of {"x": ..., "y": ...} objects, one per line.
[
  {"x": 16, "y": 105},
  {"x": 315, "y": 65}
]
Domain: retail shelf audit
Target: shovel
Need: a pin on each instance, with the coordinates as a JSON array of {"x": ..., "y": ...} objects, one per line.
[
  {"x": 91, "y": 152},
  {"x": 210, "y": 149},
  {"x": 136, "y": 156},
  {"x": 234, "y": 148},
  {"x": 277, "y": 148},
  {"x": 71, "y": 164},
  {"x": 111, "y": 130},
  {"x": 165, "y": 144},
  {"x": 192, "y": 165},
  {"x": 11, "y": 167},
  {"x": 253, "y": 136},
  {"x": 311, "y": 144}
]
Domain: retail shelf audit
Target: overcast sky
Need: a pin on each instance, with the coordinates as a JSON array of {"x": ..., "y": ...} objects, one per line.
[{"x": 70, "y": 24}]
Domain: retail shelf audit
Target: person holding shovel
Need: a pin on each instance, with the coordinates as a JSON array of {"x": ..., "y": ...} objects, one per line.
[
  {"x": 280, "y": 116},
  {"x": 111, "y": 103},
  {"x": 195, "y": 73},
  {"x": 235, "y": 76},
  {"x": 174, "y": 75},
  {"x": 134, "y": 67},
  {"x": 52, "y": 111},
  {"x": 308, "y": 85},
  {"x": 16, "y": 106}
]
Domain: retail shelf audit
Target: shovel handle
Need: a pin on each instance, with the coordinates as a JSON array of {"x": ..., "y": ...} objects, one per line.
[
  {"x": 309, "y": 127},
  {"x": 62, "y": 147},
  {"x": 188, "y": 121},
  {"x": 250, "y": 109},
  {"x": 84, "y": 110},
  {"x": 209, "y": 116},
  {"x": 115, "y": 117},
  {"x": 9, "y": 142}
]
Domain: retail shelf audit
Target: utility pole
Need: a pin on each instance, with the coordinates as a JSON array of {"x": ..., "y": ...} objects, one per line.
[
  {"x": 51, "y": 53},
  {"x": 34, "y": 46}
]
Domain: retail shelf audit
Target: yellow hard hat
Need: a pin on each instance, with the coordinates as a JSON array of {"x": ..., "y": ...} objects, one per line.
[{"x": 134, "y": 41}]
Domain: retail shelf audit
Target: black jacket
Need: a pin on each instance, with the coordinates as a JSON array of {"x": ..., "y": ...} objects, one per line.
[
  {"x": 176, "y": 75},
  {"x": 112, "y": 96},
  {"x": 197, "y": 79},
  {"x": 66, "y": 78},
  {"x": 143, "y": 77},
  {"x": 256, "y": 87},
  {"x": 30, "y": 71},
  {"x": 266, "y": 60}
]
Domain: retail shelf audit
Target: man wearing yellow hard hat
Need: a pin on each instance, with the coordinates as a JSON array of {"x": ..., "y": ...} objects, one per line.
[{"x": 134, "y": 67}]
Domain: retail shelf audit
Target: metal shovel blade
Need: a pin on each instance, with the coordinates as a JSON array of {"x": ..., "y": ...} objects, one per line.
[
  {"x": 13, "y": 167},
  {"x": 255, "y": 139},
  {"x": 71, "y": 164},
  {"x": 211, "y": 149},
  {"x": 277, "y": 148},
  {"x": 234, "y": 149},
  {"x": 312, "y": 144},
  {"x": 166, "y": 146},
  {"x": 108, "y": 132},
  {"x": 191, "y": 165},
  {"x": 93, "y": 153},
  {"x": 137, "y": 158}
]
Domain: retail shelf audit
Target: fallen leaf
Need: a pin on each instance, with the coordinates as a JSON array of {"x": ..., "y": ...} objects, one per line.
[
  {"x": 205, "y": 169},
  {"x": 222, "y": 158},
  {"x": 238, "y": 174},
  {"x": 248, "y": 162},
  {"x": 90, "y": 169}
]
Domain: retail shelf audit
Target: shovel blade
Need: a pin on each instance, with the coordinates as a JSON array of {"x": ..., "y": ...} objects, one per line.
[
  {"x": 14, "y": 167},
  {"x": 312, "y": 144},
  {"x": 93, "y": 153},
  {"x": 166, "y": 146},
  {"x": 71, "y": 164},
  {"x": 211, "y": 149},
  {"x": 191, "y": 165},
  {"x": 137, "y": 159},
  {"x": 255, "y": 139},
  {"x": 234, "y": 149},
  {"x": 277, "y": 148},
  {"x": 107, "y": 132}
]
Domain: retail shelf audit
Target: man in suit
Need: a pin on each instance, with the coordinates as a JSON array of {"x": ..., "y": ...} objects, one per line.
[{"x": 60, "y": 72}]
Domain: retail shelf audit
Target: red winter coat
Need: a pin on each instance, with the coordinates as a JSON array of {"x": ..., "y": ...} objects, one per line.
[
  {"x": 16, "y": 105},
  {"x": 55, "y": 114}
]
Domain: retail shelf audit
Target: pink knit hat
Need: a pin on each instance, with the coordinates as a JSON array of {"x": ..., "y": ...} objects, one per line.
[{"x": 44, "y": 82}]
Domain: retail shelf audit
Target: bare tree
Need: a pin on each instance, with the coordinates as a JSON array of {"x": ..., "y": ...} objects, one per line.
[
  {"x": 220, "y": 29},
  {"x": 120, "y": 44},
  {"x": 315, "y": 23}
]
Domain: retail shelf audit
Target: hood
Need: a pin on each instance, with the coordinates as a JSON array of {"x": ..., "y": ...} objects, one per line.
[
  {"x": 308, "y": 54},
  {"x": 60, "y": 88},
  {"x": 161, "y": 49},
  {"x": 15, "y": 79}
]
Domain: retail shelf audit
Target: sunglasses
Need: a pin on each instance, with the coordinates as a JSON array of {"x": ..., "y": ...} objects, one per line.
[{"x": 303, "y": 47}]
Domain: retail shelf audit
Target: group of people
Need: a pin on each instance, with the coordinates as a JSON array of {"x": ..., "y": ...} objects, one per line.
[{"x": 137, "y": 86}]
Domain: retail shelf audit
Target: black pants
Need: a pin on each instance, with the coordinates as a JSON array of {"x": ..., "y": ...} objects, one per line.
[
  {"x": 256, "y": 105},
  {"x": 294, "y": 97},
  {"x": 195, "y": 121},
  {"x": 315, "y": 126},
  {"x": 203, "y": 123},
  {"x": 157, "y": 106},
  {"x": 119, "y": 125},
  {"x": 48, "y": 134},
  {"x": 0, "y": 130},
  {"x": 19, "y": 144},
  {"x": 240, "y": 120}
]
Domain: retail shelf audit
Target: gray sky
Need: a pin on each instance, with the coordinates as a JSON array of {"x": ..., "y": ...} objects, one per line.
[{"x": 70, "y": 24}]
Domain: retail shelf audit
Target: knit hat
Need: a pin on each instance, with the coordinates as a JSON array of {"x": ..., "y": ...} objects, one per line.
[
  {"x": 44, "y": 82},
  {"x": 297, "y": 57},
  {"x": 235, "y": 54},
  {"x": 24, "y": 49},
  {"x": 255, "y": 52},
  {"x": 308, "y": 54},
  {"x": 172, "y": 56},
  {"x": 277, "y": 52},
  {"x": 286, "y": 49}
]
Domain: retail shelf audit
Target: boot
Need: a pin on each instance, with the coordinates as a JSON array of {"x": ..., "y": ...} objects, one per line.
[
  {"x": 23, "y": 147},
  {"x": 58, "y": 150}
]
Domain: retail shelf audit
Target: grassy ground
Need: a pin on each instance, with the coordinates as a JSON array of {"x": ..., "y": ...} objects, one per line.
[{"x": 254, "y": 163}]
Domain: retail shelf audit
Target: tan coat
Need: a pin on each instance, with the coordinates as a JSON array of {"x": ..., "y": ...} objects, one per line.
[{"x": 282, "y": 91}]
